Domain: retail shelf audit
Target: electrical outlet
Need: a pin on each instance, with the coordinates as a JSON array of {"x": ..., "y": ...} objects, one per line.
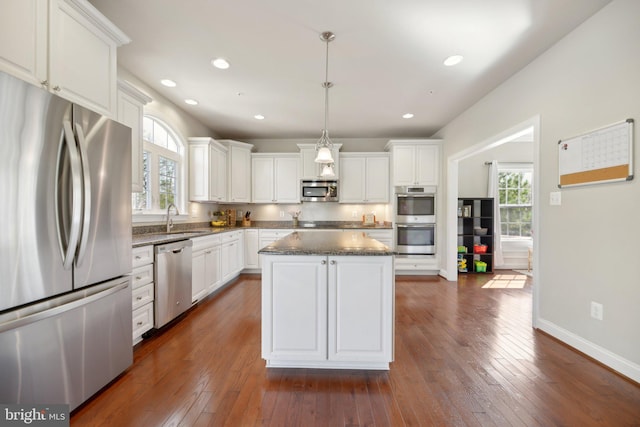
[
  {"x": 281, "y": 214},
  {"x": 596, "y": 310},
  {"x": 354, "y": 214}
]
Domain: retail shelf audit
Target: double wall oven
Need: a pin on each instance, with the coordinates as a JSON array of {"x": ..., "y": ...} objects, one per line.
[{"x": 415, "y": 220}]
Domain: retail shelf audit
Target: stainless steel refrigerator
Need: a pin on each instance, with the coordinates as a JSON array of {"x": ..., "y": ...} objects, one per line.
[{"x": 65, "y": 248}]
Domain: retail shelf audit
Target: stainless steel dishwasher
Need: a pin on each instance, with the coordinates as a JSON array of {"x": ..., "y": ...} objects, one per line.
[{"x": 173, "y": 280}]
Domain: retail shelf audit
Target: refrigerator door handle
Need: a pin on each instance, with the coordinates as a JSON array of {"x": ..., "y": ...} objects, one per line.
[
  {"x": 86, "y": 200},
  {"x": 68, "y": 253}
]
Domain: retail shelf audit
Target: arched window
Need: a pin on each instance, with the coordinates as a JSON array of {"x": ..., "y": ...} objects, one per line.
[{"x": 162, "y": 165}]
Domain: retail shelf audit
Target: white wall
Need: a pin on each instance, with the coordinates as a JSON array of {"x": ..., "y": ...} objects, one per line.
[
  {"x": 473, "y": 173},
  {"x": 587, "y": 247}
]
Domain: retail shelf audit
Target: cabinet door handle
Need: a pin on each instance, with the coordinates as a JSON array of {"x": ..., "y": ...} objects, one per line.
[
  {"x": 333, "y": 262},
  {"x": 323, "y": 262},
  {"x": 138, "y": 277},
  {"x": 138, "y": 298},
  {"x": 139, "y": 323},
  {"x": 56, "y": 88},
  {"x": 45, "y": 83}
]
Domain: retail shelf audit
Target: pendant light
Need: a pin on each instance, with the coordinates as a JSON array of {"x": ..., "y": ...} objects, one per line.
[{"x": 324, "y": 144}]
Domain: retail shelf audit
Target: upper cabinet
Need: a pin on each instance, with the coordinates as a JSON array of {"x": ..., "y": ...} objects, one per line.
[
  {"x": 311, "y": 169},
  {"x": 131, "y": 103},
  {"x": 238, "y": 171},
  {"x": 65, "y": 46},
  {"x": 414, "y": 162},
  {"x": 365, "y": 178},
  {"x": 275, "y": 178},
  {"x": 207, "y": 170}
]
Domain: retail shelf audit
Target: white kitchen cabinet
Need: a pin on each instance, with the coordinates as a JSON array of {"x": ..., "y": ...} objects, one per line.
[
  {"x": 24, "y": 34},
  {"x": 415, "y": 162},
  {"x": 360, "y": 307},
  {"x": 312, "y": 170},
  {"x": 231, "y": 254},
  {"x": 131, "y": 103},
  {"x": 294, "y": 308},
  {"x": 238, "y": 171},
  {"x": 327, "y": 312},
  {"x": 207, "y": 170},
  {"x": 142, "y": 291},
  {"x": 275, "y": 178},
  {"x": 66, "y": 46},
  {"x": 268, "y": 236},
  {"x": 365, "y": 178},
  {"x": 205, "y": 268},
  {"x": 251, "y": 247}
]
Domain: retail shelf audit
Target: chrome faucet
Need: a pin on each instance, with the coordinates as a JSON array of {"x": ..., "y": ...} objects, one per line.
[{"x": 169, "y": 220}]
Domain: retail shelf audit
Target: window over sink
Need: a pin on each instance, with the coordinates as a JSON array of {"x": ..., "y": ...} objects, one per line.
[{"x": 163, "y": 169}]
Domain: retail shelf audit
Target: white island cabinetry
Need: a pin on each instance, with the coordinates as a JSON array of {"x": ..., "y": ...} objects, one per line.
[{"x": 327, "y": 311}]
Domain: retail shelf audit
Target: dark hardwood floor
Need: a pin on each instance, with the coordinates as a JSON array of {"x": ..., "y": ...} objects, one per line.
[{"x": 465, "y": 356}]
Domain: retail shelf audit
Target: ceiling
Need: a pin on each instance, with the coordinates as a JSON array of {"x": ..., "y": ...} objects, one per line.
[{"x": 386, "y": 60}]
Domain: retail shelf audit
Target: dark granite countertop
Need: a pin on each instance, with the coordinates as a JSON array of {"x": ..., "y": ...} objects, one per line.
[
  {"x": 327, "y": 243},
  {"x": 155, "y": 235}
]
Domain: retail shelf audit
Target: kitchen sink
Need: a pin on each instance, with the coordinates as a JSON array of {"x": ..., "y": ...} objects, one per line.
[{"x": 308, "y": 225}]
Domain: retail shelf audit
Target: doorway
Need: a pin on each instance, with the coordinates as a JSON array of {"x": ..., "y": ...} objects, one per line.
[{"x": 453, "y": 167}]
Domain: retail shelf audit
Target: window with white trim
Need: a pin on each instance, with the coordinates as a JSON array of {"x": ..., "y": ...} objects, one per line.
[
  {"x": 162, "y": 166},
  {"x": 515, "y": 190}
]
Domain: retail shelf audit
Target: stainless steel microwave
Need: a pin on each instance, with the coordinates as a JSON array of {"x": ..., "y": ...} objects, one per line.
[{"x": 319, "y": 190}]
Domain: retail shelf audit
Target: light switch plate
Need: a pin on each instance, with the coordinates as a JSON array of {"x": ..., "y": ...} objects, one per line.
[{"x": 555, "y": 198}]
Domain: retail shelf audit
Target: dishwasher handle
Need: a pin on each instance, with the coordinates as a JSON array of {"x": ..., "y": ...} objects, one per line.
[{"x": 174, "y": 247}]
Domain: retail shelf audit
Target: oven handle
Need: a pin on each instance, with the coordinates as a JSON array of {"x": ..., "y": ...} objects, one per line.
[
  {"x": 415, "y": 195},
  {"x": 416, "y": 225}
]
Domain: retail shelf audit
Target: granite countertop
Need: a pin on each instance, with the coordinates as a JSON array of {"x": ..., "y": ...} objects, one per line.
[
  {"x": 155, "y": 235},
  {"x": 327, "y": 243}
]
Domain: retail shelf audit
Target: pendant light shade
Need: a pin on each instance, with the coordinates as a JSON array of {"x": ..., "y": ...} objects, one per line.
[
  {"x": 327, "y": 171},
  {"x": 324, "y": 144}
]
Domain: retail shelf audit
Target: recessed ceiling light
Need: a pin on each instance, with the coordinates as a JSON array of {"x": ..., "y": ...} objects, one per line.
[
  {"x": 191, "y": 101},
  {"x": 168, "y": 83},
  {"x": 221, "y": 63},
  {"x": 407, "y": 116},
  {"x": 453, "y": 60},
  {"x": 258, "y": 117}
]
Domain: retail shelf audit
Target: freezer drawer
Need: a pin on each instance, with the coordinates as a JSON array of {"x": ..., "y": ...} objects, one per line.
[{"x": 69, "y": 349}]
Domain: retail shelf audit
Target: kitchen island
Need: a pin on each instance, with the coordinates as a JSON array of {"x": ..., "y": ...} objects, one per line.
[{"x": 327, "y": 301}]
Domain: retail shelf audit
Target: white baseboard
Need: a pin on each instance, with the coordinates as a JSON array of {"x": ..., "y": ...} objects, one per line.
[{"x": 604, "y": 356}]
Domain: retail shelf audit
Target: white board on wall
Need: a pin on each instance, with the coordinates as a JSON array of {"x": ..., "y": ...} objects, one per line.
[{"x": 603, "y": 155}]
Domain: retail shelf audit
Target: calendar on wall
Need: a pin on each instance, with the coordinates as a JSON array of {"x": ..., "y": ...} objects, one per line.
[{"x": 603, "y": 155}]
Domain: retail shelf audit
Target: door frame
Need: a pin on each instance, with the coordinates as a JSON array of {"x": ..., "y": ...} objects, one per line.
[{"x": 451, "y": 270}]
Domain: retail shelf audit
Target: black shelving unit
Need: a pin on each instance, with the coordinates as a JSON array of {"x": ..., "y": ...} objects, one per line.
[{"x": 472, "y": 213}]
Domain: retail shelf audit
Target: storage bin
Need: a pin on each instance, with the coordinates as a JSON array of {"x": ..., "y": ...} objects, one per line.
[
  {"x": 480, "y": 266},
  {"x": 462, "y": 249},
  {"x": 479, "y": 249}
]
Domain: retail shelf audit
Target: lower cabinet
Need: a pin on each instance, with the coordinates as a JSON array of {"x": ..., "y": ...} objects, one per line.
[
  {"x": 205, "y": 268},
  {"x": 232, "y": 254},
  {"x": 251, "y": 248},
  {"x": 143, "y": 293},
  {"x": 327, "y": 312}
]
